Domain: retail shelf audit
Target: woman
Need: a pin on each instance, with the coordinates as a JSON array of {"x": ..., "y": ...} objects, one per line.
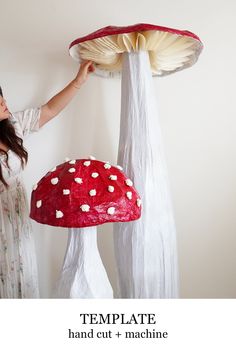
[{"x": 18, "y": 270}]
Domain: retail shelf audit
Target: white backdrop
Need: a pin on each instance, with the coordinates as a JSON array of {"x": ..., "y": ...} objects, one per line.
[{"x": 197, "y": 113}]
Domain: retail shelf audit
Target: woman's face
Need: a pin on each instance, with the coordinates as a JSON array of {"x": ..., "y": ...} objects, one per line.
[{"x": 4, "y": 113}]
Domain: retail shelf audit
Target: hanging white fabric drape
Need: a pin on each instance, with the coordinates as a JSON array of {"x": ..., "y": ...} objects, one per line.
[
  {"x": 83, "y": 274},
  {"x": 145, "y": 249}
]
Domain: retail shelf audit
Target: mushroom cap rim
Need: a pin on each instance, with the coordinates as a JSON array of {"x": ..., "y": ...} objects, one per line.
[{"x": 112, "y": 30}]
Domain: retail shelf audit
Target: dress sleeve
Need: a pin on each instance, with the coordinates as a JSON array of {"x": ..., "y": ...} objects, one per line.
[{"x": 28, "y": 120}]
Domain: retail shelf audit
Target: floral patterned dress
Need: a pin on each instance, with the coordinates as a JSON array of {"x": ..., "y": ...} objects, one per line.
[{"x": 18, "y": 269}]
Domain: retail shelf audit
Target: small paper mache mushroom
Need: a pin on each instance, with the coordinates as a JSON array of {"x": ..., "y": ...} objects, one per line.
[
  {"x": 140, "y": 52},
  {"x": 81, "y": 194}
]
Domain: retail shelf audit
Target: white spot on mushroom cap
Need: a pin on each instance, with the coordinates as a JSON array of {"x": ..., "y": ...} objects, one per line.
[
  {"x": 54, "y": 180},
  {"x": 78, "y": 180},
  {"x": 35, "y": 187},
  {"x": 111, "y": 211},
  {"x": 129, "y": 195},
  {"x": 92, "y": 192},
  {"x": 111, "y": 189},
  {"x": 72, "y": 162},
  {"x": 39, "y": 203},
  {"x": 119, "y": 167},
  {"x": 53, "y": 169},
  {"x": 107, "y": 166},
  {"x": 113, "y": 177},
  {"x": 59, "y": 214},
  {"x": 71, "y": 170},
  {"x": 66, "y": 191},
  {"x": 87, "y": 163},
  {"x": 128, "y": 182},
  {"x": 85, "y": 207},
  {"x": 139, "y": 202},
  {"x": 94, "y": 174},
  {"x": 91, "y": 157}
]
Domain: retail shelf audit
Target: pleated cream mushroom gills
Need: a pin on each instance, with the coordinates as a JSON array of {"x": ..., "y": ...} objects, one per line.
[
  {"x": 80, "y": 200},
  {"x": 145, "y": 251}
]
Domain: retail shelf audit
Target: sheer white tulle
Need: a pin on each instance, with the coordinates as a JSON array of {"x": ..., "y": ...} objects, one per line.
[
  {"x": 145, "y": 250},
  {"x": 83, "y": 274}
]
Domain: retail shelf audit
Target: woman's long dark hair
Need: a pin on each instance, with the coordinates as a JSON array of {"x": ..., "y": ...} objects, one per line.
[{"x": 13, "y": 142}]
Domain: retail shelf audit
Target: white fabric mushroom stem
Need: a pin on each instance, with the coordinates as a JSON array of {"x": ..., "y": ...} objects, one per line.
[
  {"x": 83, "y": 274},
  {"x": 145, "y": 250}
]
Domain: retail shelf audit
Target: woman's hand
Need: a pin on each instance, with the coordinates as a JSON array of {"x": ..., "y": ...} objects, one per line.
[{"x": 86, "y": 67}]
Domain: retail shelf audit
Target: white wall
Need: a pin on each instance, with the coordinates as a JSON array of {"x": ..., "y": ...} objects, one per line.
[{"x": 197, "y": 112}]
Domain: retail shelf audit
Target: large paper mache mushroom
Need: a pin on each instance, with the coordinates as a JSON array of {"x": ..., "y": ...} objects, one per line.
[
  {"x": 146, "y": 251},
  {"x": 81, "y": 194}
]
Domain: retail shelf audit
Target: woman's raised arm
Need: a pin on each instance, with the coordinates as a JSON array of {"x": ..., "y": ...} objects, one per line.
[{"x": 58, "y": 102}]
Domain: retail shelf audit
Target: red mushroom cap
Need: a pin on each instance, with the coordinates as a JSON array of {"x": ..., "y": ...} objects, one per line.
[
  {"x": 139, "y": 27},
  {"x": 169, "y": 49},
  {"x": 82, "y": 193}
]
